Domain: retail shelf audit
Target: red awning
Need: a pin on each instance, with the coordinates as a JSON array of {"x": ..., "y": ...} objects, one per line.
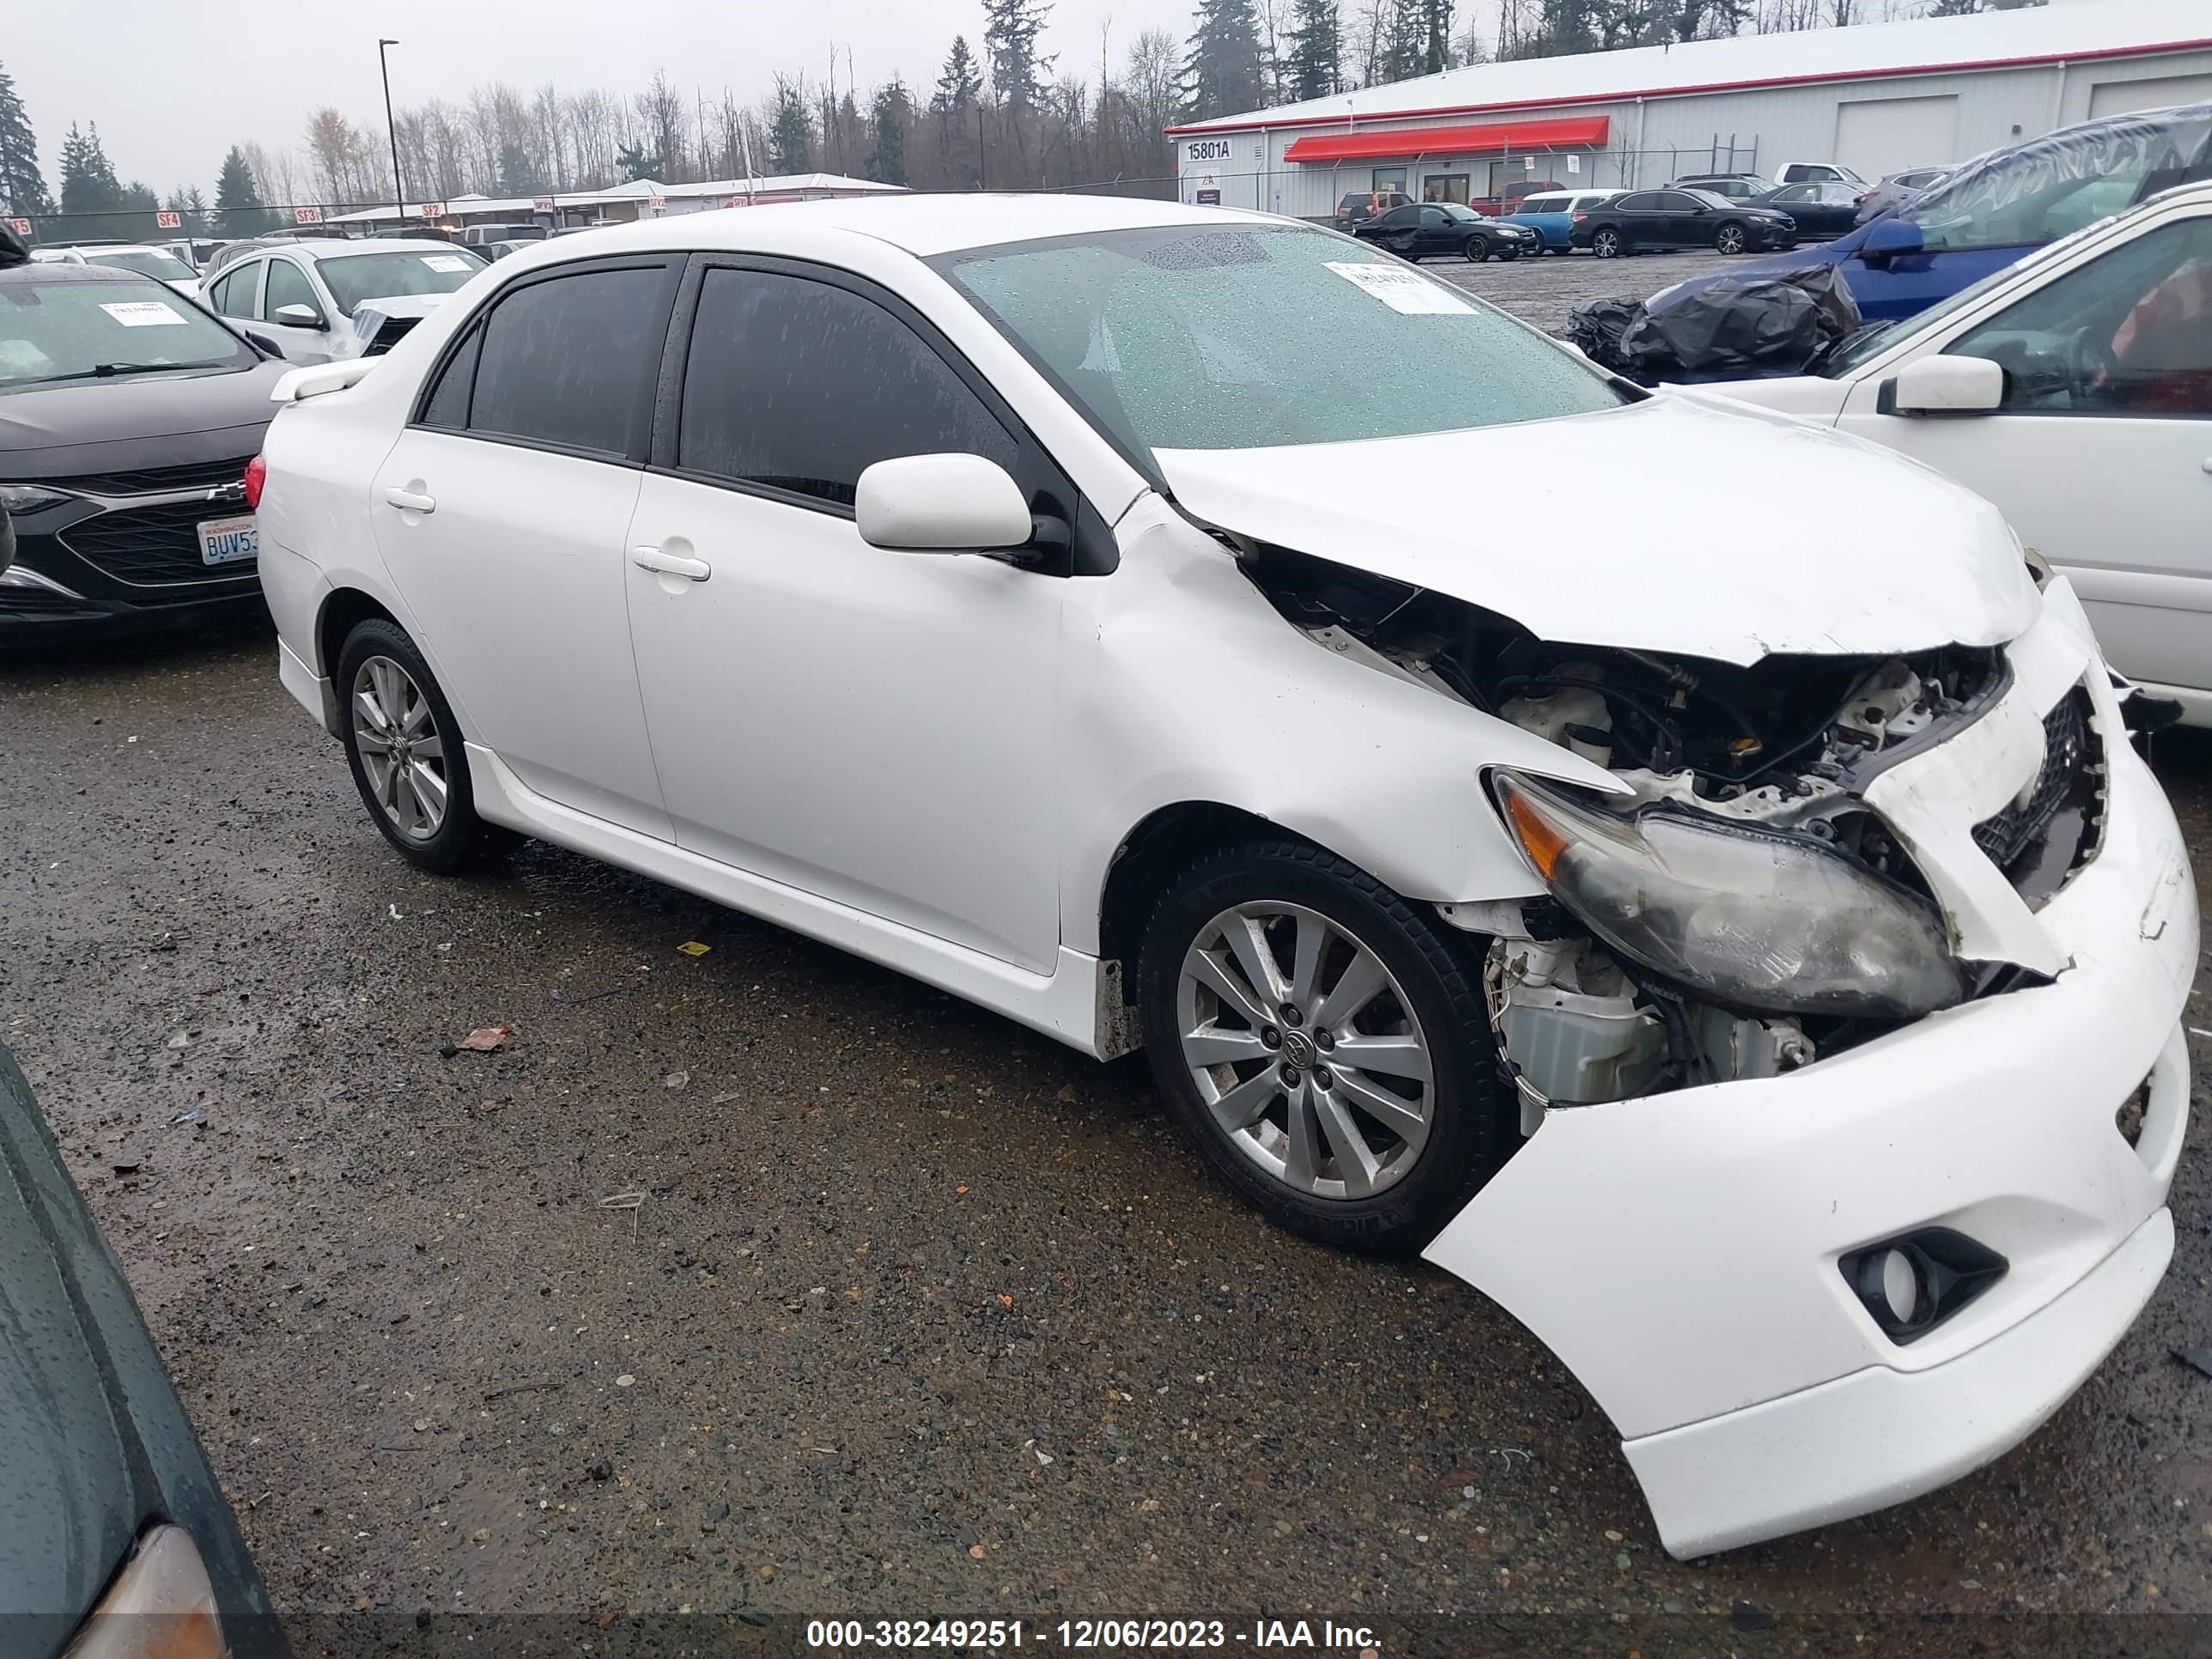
[{"x": 1566, "y": 132}]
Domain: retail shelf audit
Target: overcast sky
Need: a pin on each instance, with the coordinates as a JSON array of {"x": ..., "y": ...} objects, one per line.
[{"x": 172, "y": 85}]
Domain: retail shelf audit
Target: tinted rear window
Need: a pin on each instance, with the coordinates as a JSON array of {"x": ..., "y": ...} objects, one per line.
[{"x": 572, "y": 360}]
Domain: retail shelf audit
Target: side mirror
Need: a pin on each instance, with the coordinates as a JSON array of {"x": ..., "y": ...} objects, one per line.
[
  {"x": 262, "y": 343},
  {"x": 1943, "y": 386},
  {"x": 297, "y": 317},
  {"x": 952, "y": 503},
  {"x": 1887, "y": 237}
]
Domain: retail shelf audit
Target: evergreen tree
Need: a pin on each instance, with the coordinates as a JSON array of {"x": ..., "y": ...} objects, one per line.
[
  {"x": 1436, "y": 37},
  {"x": 23, "y": 185},
  {"x": 958, "y": 88},
  {"x": 190, "y": 205},
  {"x": 94, "y": 200},
  {"x": 237, "y": 200},
  {"x": 791, "y": 134},
  {"x": 890, "y": 112},
  {"x": 1316, "y": 49},
  {"x": 517, "y": 175},
  {"x": 1221, "y": 72},
  {"x": 636, "y": 162},
  {"x": 1010, "y": 35}
]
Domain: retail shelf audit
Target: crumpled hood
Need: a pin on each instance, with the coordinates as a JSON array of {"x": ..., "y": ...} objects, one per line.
[
  {"x": 371, "y": 315},
  {"x": 1668, "y": 525}
]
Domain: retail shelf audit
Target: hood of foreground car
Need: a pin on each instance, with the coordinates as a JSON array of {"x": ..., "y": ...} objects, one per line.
[
  {"x": 132, "y": 406},
  {"x": 1819, "y": 545}
]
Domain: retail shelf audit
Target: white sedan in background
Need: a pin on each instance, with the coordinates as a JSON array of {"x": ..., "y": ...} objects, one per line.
[
  {"x": 1748, "y": 947},
  {"x": 158, "y": 262},
  {"x": 2075, "y": 390},
  {"x": 301, "y": 296}
]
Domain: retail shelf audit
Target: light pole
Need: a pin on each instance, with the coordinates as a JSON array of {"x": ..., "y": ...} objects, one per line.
[{"x": 398, "y": 184}]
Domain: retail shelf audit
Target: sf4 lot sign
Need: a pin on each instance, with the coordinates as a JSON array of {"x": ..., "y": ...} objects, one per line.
[{"x": 168, "y": 220}]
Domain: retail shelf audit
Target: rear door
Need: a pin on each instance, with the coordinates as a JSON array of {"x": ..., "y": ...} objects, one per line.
[
  {"x": 1675, "y": 220},
  {"x": 502, "y": 512}
]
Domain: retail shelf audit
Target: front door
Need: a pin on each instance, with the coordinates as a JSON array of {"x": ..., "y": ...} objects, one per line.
[
  {"x": 2102, "y": 451},
  {"x": 502, "y": 512},
  {"x": 876, "y": 728}
]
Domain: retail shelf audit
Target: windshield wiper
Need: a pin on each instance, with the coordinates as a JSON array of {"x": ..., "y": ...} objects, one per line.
[
  {"x": 109, "y": 371},
  {"x": 1857, "y": 337}
]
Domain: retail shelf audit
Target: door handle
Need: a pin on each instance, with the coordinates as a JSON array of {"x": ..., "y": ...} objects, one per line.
[
  {"x": 670, "y": 564},
  {"x": 408, "y": 501}
]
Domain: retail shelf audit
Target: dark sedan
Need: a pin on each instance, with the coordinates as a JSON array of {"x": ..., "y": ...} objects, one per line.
[
  {"x": 127, "y": 418},
  {"x": 1644, "y": 220},
  {"x": 1821, "y": 211},
  {"x": 108, "y": 1511},
  {"x": 1419, "y": 230}
]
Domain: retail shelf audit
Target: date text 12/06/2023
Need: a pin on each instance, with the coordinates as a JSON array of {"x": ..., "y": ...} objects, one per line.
[{"x": 1105, "y": 1635}]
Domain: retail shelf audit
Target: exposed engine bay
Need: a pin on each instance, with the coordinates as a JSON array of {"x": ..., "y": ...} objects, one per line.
[{"x": 1739, "y": 910}]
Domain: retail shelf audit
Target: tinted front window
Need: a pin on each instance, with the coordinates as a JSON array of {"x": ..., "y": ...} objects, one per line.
[
  {"x": 572, "y": 360},
  {"x": 287, "y": 286},
  {"x": 1181, "y": 338},
  {"x": 802, "y": 386},
  {"x": 75, "y": 330},
  {"x": 353, "y": 277}
]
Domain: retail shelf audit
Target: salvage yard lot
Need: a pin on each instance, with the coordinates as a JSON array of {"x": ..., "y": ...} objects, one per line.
[
  {"x": 918, "y": 1312},
  {"x": 1543, "y": 291}
]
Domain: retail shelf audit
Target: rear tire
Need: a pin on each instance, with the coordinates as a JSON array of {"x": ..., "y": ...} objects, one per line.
[
  {"x": 1355, "y": 1098},
  {"x": 404, "y": 748},
  {"x": 1609, "y": 244}
]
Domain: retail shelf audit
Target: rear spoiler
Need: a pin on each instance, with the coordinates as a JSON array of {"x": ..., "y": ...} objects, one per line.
[{"x": 301, "y": 384}]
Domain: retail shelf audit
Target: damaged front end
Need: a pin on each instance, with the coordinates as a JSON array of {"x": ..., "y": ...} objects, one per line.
[{"x": 1742, "y": 905}]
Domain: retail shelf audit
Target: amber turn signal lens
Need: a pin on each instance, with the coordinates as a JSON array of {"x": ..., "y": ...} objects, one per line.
[
  {"x": 160, "y": 1606},
  {"x": 1541, "y": 842}
]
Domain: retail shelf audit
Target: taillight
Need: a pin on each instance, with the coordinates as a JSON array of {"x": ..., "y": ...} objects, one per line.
[
  {"x": 1578, "y": 218},
  {"x": 256, "y": 474}
]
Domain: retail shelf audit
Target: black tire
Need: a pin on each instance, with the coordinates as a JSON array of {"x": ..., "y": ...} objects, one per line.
[
  {"x": 1477, "y": 249},
  {"x": 461, "y": 841},
  {"x": 1609, "y": 244},
  {"x": 1473, "y": 1121},
  {"x": 1730, "y": 237}
]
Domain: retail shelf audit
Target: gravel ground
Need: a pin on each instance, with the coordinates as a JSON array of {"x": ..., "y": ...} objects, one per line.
[
  {"x": 1543, "y": 291},
  {"x": 915, "y": 1311}
]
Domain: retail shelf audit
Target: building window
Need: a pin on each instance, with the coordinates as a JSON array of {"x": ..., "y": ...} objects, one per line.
[
  {"x": 1390, "y": 178},
  {"x": 1444, "y": 187}
]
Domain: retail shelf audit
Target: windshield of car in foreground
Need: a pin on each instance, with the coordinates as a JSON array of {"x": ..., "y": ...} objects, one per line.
[
  {"x": 353, "y": 277},
  {"x": 70, "y": 331},
  {"x": 1190, "y": 337},
  {"x": 146, "y": 261}
]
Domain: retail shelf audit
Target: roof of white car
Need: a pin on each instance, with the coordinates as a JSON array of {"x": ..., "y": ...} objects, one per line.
[
  {"x": 340, "y": 247},
  {"x": 923, "y": 225}
]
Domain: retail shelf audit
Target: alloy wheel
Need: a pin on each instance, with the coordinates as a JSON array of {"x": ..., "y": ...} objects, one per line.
[
  {"x": 402, "y": 750},
  {"x": 1305, "y": 1049},
  {"x": 1730, "y": 240},
  {"x": 1605, "y": 244}
]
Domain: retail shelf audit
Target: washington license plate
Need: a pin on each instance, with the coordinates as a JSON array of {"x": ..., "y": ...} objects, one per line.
[{"x": 227, "y": 541}]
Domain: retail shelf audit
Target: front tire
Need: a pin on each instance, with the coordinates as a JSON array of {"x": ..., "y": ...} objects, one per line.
[
  {"x": 1730, "y": 238},
  {"x": 1324, "y": 1043},
  {"x": 1609, "y": 244},
  {"x": 403, "y": 747}
]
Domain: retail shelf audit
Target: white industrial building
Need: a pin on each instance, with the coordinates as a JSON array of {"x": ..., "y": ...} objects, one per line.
[
  {"x": 1876, "y": 97},
  {"x": 640, "y": 199}
]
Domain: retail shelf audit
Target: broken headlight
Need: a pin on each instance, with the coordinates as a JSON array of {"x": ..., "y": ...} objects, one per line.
[{"x": 1745, "y": 917}]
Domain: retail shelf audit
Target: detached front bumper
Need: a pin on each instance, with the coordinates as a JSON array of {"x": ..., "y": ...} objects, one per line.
[{"x": 1679, "y": 1252}]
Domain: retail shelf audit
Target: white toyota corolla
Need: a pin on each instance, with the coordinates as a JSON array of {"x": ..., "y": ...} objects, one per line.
[{"x": 1747, "y": 947}]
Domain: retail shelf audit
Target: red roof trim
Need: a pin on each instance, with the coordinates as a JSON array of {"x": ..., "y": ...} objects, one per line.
[
  {"x": 1713, "y": 86},
  {"x": 1574, "y": 131}
]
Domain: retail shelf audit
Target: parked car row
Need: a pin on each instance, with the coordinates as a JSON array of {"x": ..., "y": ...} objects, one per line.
[{"x": 1421, "y": 230}]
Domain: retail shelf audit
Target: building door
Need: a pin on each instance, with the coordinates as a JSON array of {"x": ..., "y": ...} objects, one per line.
[{"x": 1883, "y": 134}]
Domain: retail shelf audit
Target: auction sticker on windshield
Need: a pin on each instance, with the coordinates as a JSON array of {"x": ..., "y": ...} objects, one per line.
[
  {"x": 227, "y": 541},
  {"x": 445, "y": 262},
  {"x": 144, "y": 313},
  {"x": 1402, "y": 290}
]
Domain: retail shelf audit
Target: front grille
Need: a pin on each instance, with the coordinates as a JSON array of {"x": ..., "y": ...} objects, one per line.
[
  {"x": 2041, "y": 841},
  {"x": 152, "y": 546},
  {"x": 40, "y": 602},
  {"x": 149, "y": 481}
]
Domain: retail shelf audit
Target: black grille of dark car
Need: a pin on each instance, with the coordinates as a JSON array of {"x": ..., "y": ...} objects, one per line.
[
  {"x": 148, "y": 481},
  {"x": 153, "y": 546},
  {"x": 2041, "y": 841}
]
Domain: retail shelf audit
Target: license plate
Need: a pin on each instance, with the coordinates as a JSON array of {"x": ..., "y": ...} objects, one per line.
[{"x": 227, "y": 541}]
